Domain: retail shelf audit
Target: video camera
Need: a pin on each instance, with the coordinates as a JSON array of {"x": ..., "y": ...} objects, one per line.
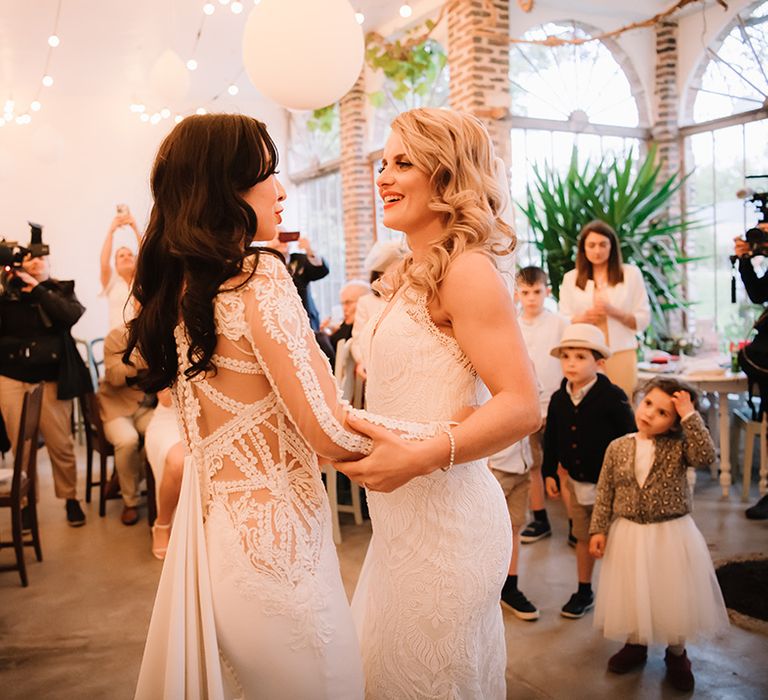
[
  {"x": 757, "y": 237},
  {"x": 12, "y": 256}
]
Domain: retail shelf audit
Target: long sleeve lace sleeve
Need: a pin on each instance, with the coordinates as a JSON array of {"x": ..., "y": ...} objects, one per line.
[{"x": 298, "y": 371}]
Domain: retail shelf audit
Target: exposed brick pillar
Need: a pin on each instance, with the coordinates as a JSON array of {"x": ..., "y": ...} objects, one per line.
[
  {"x": 356, "y": 183},
  {"x": 479, "y": 65},
  {"x": 666, "y": 104}
]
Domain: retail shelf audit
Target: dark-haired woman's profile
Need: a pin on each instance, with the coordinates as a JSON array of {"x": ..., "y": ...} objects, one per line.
[{"x": 250, "y": 602}]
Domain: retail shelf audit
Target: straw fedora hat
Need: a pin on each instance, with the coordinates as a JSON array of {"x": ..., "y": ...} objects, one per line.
[{"x": 582, "y": 335}]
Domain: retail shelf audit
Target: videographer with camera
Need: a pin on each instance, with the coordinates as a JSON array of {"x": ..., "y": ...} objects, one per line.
[
  {"x": 36, "y": 315},
  {"x": 753, "y": 359}
]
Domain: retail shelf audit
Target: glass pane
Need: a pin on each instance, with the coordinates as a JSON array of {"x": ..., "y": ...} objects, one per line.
[
  {"x": 736, "y": 77},
  {"x": 582, "y": 82},
  {"x": 315, "y": 139},
  {"x": 320, "y": 217}
]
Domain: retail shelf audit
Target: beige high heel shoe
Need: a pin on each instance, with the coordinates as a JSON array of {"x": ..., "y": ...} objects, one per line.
[{"x": 159, "y": 552}]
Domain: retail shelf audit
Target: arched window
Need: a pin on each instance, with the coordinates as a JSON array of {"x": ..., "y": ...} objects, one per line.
[
  {"x": 726, "y": 141},
  {"x": 584, "y": 96}
]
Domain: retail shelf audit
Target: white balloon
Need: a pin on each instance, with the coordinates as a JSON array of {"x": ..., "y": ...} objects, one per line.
[
  {"x": 303, "y": 54},
  {"x": 169, "y": 78}
]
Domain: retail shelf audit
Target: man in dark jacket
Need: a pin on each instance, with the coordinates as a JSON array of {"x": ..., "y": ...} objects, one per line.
[
  {"x": 305, "y": 266},
  {"x": 35, "y": 312},
  {"x": 757, "y": 352}
]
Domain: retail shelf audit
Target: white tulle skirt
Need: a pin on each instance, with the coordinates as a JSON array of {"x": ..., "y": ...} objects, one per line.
[{"x": 658, "y": 585}]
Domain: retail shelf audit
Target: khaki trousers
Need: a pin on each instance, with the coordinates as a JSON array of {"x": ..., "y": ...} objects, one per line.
[
  {"x": 55, "y": 427},
  {"x": 621, "y": 369},
  {"x": 125, "y": 434}
]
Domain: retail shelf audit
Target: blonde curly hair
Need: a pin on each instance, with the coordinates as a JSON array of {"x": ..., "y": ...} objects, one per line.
[{"x": 456, "y": 151}]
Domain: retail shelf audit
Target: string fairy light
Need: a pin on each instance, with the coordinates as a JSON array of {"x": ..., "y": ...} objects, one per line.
[
  {"x": 9, "y": 108},
  {"x": 192, "y": 64}
]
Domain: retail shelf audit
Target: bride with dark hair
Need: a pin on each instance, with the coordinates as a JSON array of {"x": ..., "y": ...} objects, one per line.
[{"x": 250, "y": 602}]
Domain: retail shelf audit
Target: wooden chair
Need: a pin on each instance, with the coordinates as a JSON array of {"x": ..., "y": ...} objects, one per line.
[
  {"x": 22, "y": 484},
  {"x": 96, "y": 440}
]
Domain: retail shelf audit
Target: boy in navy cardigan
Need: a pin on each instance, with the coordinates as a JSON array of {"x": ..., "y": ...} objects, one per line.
[{"x": 585, "y": 414}]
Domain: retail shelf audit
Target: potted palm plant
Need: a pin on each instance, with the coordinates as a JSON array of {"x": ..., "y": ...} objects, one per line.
[{"x": 629, "y": 195}]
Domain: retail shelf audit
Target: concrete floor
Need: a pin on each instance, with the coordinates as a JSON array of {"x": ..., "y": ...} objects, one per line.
[{"x": 78, "y": 629}]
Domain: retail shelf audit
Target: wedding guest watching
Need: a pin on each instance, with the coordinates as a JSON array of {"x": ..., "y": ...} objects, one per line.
[
  {"x": 165, "y": 454},
  {"x": 305, "y": 267},
  {"x": 36, "y": 315},
  {"x": 610, "y": 294},
  {"x": 349, "y": 296},
  {"x": 541, "y": 331},
  {"x": 116, "y": 283},
  {"x": 585, "y": 414},
  {"x": 126, "y": 412}
]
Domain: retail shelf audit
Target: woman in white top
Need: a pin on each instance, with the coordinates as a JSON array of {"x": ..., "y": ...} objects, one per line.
[
  {"x": 116, "y": 283},
  {"x": 606, "y": 292}
]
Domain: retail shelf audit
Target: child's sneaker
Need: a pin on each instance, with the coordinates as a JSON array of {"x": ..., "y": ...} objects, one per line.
[
  {"x": 520, "y": 605},
  {"x": 577, "y": 606},
  {"x": 534, "y": 531},
  {"x": 679, "y": 672},
  {"x": 630, "y": 657}
]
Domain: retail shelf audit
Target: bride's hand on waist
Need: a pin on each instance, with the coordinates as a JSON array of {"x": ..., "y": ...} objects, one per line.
[{"x": 393, "y": 461}]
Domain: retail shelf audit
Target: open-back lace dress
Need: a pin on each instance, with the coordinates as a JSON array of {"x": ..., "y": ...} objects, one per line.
[{"x": 250, "y": 602}]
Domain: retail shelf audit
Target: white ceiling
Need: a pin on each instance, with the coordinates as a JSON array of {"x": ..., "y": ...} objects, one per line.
[{"x": 108, "y": 46}]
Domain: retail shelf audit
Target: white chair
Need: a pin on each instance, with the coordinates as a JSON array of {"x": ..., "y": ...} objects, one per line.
[
  {"x": 331, "y": 476},
  {"x": 753, "y": 429}
]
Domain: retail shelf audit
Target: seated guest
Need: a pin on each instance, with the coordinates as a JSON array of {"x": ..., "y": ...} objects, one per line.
[
  {"x": 349, "y": 295},
  {"x": 125, "y": 412},
  {"x": 165, "y": 454}
]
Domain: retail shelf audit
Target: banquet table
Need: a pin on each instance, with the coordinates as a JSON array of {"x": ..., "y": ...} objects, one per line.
[{"x": 718, "y": 384}]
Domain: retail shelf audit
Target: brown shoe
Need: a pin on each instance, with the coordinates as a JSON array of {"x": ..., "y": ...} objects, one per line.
[
  {"x": 130, "y": 515},
  {"x": 679, "y": 672},
  {"x": 628, "y": 658}
]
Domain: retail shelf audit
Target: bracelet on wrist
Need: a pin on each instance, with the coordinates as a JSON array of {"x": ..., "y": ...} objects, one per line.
[{"x": 453, "y": 450}]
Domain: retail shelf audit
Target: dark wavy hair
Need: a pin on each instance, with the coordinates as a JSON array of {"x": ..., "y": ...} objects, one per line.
[
  {"x": 198, "y": 234},
  {"x": 615, "y": 261}
]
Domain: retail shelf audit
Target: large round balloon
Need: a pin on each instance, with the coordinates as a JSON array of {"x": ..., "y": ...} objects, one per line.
[{"x": 303, "y": 54}]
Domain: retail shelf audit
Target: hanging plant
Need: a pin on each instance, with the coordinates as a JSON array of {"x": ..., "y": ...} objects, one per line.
[
  {"x": 324, "y": 120},
  {"x": 412, "y": 71}
]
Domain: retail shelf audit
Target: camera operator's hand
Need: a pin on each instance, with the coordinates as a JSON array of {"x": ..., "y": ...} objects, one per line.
[
  {"x": 740, "y": 247},
  {"x": 29, "y": 282}
]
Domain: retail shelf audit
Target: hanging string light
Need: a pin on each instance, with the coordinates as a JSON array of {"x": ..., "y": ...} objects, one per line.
[{"x": 35, "y": 105}]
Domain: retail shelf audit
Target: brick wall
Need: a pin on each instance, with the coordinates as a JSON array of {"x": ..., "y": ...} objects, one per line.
[
  {"x": 666, "y": 102},
  {"x": 356, "y": 185},
  {"x": 479, "y": 66}
]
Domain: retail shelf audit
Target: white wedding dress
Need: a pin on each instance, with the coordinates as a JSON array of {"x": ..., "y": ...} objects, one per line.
[
  {"x": 250, "y": 602},
  {"x": 427, "y": 603}
]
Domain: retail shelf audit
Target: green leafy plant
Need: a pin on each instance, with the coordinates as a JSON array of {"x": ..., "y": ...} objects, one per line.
[
  {"x": 628, "y": 195},
  {"x": 412, "y": 72},
  {"x": 324, "y": 119}
]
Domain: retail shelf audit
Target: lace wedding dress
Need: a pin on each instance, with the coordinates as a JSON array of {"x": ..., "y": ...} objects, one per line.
[
  {"x": 250, "y": 602},
  {"x": 427, "y": 603}
]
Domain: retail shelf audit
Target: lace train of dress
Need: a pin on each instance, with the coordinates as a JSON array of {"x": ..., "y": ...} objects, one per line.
[
  {"x": 427, "y": 602},
  {"x": 251, "y": 602}
]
